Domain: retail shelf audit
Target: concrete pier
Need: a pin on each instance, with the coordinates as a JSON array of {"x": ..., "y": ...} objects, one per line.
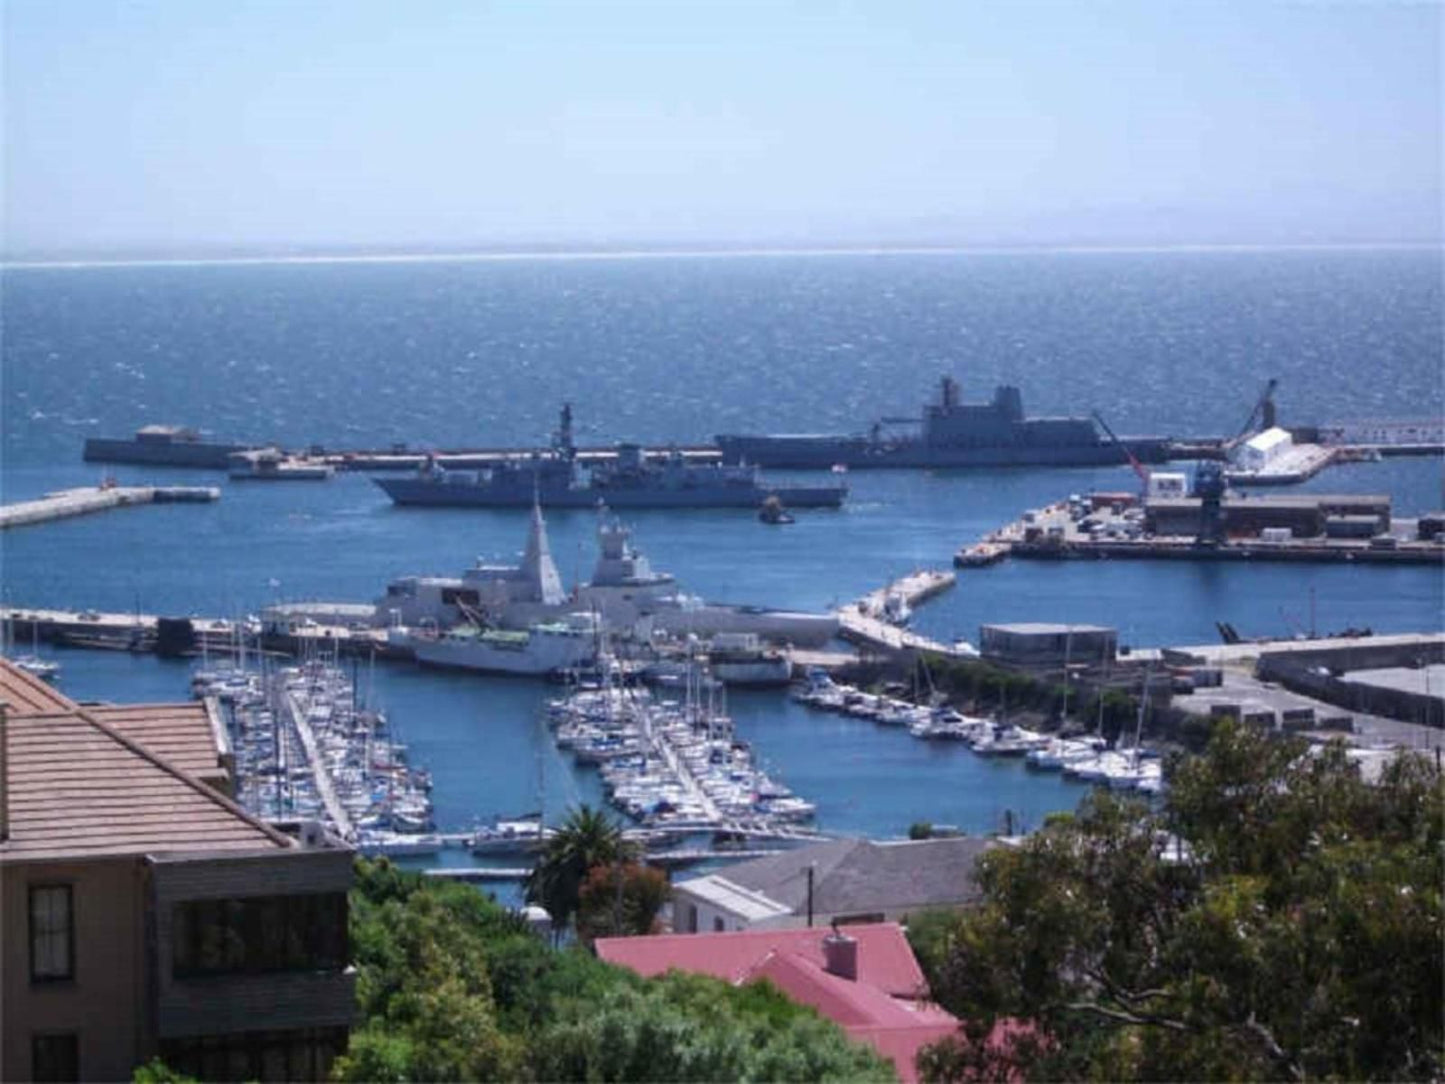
[
  {"x": 319, "y": 771},
  {"x": 78, "y": 502},
  {"x": 1094, "y": 528},
  {"x": 862, "y": 622}
]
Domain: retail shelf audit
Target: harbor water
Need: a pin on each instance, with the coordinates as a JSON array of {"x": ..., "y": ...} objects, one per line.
[{"x": 455, "y": 353}]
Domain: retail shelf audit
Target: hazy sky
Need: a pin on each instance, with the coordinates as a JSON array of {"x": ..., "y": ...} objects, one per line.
[{"x": 170, "y": 123}]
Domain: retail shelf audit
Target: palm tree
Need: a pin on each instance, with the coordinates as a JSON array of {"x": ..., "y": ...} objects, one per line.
[{"x": 587, "y": 839}]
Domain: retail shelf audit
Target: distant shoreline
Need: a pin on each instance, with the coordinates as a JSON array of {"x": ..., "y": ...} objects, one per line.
[{"x": 683, "y": 252}]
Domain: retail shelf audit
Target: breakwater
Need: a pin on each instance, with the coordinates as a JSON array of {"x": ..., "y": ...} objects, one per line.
[{"x": 87, "y": 499}]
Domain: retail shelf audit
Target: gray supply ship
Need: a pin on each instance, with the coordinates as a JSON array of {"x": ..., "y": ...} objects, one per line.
[
  {"x": 951, "y": 434},
  {"x": 163, "y": 446},
  {"x": 556, "y": 479}
]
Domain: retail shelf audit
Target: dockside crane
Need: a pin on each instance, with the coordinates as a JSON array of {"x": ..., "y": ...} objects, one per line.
[
  {"x": 1139, "y": 468},
  {"x": 1263, "y": 412}
]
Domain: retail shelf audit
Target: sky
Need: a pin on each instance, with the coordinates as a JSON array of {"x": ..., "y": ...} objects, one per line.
[{"x": 175, "y": 126}]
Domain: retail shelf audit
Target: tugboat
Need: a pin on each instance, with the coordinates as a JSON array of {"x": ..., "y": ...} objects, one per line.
[{"x": 772, "y": 511}]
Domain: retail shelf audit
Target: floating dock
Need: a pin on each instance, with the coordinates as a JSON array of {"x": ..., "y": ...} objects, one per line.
[{"x": 79, "y": 502}]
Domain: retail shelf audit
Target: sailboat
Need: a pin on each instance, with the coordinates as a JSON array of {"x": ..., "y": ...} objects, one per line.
[{"x": 33, "y": 664}]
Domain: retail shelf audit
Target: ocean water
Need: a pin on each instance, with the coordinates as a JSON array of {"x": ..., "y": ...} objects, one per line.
[{"x": 465, "y": 353}]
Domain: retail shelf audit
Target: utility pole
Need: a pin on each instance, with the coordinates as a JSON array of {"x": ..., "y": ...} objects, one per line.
[{"x": 810, "y": 895}]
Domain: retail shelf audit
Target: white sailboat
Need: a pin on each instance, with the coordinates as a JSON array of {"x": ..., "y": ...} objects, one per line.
[{"x": 32, "y": 663}]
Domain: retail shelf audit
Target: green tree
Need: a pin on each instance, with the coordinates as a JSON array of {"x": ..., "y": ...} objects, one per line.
[
  {"x": 1295, "y": 935},
  {"x": 423, "y": 985},
  {"x": 620, "y": 900},
  {"x": 452, "y": 987},
  {"x": 694, "y": 1028},
  {"x": 588, "y": 838}
]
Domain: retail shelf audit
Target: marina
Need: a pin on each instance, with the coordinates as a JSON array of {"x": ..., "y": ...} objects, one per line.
[
  {"x": 304, "y": 748},
  {"x": 815, "y": 359}
]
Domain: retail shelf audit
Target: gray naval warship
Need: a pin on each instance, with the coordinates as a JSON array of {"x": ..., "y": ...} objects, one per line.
[
  {"x": 554, "y": 478},
  {"x": 952, "y": 434}
]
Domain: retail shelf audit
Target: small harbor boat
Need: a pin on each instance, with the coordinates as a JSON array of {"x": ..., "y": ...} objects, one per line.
[{"x": 772, "y": 511}]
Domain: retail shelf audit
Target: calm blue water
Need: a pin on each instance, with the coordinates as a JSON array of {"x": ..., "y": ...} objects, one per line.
[{"x": 464, "y": 353}]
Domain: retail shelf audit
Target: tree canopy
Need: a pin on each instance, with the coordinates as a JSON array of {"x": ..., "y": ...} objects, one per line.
[
  {"x": 620, "y": 900},
  {"x": 452, "y": 987},
  {"x": 587, "y": 839},
  {"x": 1276, "y": 918}
]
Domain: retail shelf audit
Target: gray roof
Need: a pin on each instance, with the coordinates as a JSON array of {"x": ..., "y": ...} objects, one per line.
[{"x": 860, "y": 875}]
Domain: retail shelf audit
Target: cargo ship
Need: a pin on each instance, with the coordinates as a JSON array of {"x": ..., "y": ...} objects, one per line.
[
  {"x": 951, "y": 433},
  {"x": 555, "y": 479},
  {"x": 163, "y": 446}
]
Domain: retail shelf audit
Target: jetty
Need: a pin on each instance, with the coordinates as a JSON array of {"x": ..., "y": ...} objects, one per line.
[
  {"x": 334, "y": 808},
  {"x": 65, "y": 503},
  {"x": 866, "y": 622}
]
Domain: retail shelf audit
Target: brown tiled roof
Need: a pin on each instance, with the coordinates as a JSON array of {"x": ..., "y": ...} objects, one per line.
[
  {"x": 77, "y": 787},
  {"x": 25, "y": 693},
  {"x": 180, "y": 734}
]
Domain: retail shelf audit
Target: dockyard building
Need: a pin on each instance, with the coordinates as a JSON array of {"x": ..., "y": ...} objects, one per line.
[
  {"x": 1035, "y": 643},
  {"x": 145, "y": 914}
]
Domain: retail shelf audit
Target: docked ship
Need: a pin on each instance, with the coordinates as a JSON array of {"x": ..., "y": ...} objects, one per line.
[
  {"x": 163, "y": 446},
  {"x": 951, "y": 433},
  {"x": 273, "y": 465},
  {"x": 556, "y": 479},
  {"x": 625, "y": 591},
  {"x": 542, "y": 649}
]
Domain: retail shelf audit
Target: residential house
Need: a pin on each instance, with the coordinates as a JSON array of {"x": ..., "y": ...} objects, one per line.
[
  {"x": 144, "y": 913},
  {"x": 866, "y": 979},
  {"x": 844, "y": 880}
]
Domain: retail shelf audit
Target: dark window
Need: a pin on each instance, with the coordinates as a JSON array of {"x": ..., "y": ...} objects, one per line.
[
  {"x": 52, "y": 933},
  {"x": 258, "y": 934},
  {"x": 54, "y": 1057},
  {"x": 299, "y": 1054},
  {"x": 718, "y": 926},
  {"x": 691, "y": 918}
]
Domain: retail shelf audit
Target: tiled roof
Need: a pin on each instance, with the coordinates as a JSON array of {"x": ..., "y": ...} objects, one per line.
[
  {"x": 181, "y": 734},
  {"x": 857, "y": 876},
  {"x": 884, "y": 958},
  {"x": 851, "y": 1003},
  {"x": 882, "y": 1007},
  {"x": 24, "y": 693},
  {"x": 77, "y": 787}
]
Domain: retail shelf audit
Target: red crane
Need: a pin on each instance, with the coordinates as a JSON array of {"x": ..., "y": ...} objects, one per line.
[{"x": 1139, "y": 468}]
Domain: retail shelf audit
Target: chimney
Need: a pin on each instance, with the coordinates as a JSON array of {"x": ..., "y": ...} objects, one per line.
[{"x": 840, "y": 955}]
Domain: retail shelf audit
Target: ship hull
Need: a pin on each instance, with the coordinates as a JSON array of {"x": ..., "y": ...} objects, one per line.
[
  {"x": 537, "y": 660},
  {"x": 821, "y": 453},
  {"x": 188, "y": 454},
  {"x": 413, "y": 491}
]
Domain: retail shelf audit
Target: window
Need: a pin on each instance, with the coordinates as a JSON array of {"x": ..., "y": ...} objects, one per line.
[
  {"x": 54, "y": 1057},
  {"x": 299, "y": 1054},
  {"x": 718, "y": 925},
  {"x": 257, "y": 934},
  {"x": 691, "y": 918},
  {"x": 52, "y": 934}
]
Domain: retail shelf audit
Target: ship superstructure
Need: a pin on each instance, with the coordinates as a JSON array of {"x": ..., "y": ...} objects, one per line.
[{"x": 951, "y": 433}]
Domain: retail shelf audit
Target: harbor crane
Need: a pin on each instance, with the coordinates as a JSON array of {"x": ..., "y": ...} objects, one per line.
[
  {"x": 1139, "y": 468},
  {"x": 1263, "y": 412}
]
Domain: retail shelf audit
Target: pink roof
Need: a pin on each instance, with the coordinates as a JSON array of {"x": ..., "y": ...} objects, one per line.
[
  {"x": 884, "y": 958},
  {"x": 883, "y": 1007}
]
